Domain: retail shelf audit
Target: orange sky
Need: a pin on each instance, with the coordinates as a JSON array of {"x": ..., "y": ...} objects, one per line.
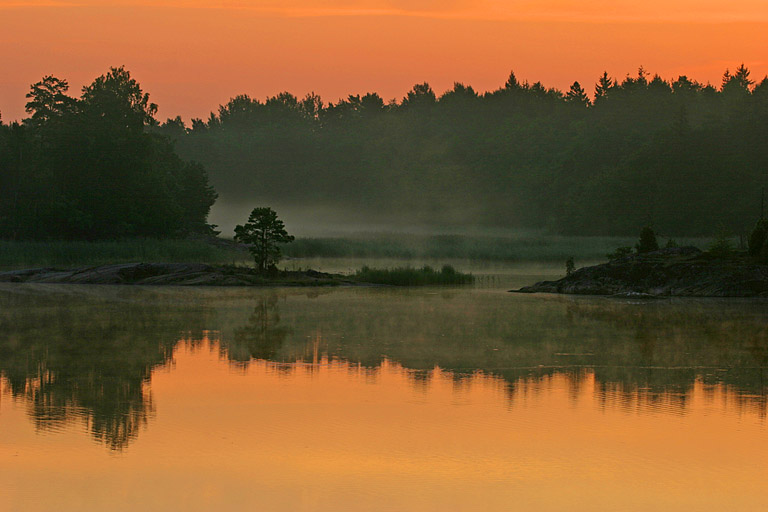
[{"x": 192, "y": 55}]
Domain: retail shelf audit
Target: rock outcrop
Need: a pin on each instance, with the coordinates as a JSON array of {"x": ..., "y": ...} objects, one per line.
[
  {"x": 675, "y": 272},
  {"x": 180, "y": 274}
]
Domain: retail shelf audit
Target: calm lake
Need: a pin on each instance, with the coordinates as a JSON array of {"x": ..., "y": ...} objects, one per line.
[{"x": 379, "y": 399}]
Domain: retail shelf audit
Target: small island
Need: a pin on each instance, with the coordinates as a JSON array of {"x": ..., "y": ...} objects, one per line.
[
  {"x": 262, "y": 236},
  {"x": 201, "y": 274},
  {"x": 668, "y": 272}
]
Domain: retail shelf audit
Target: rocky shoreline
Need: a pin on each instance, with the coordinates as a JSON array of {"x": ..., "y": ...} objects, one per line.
[
  {"x": 674, "y": 272},
  {"x": 178, "y": 274}
]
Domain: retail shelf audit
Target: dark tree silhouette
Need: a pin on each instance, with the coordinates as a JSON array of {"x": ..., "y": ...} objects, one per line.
[
  {"x": 521, "y": 156},
  {"x": 647, "y": 242},
  {"x": 603, "y": 86},
  {"x": 48, "y": 100},
  {"x": 421, "y": 96},
  {"x": 264, "y": 233},
  {"x": 93, "y": 167},
  {"x": 577, "y": 96}
]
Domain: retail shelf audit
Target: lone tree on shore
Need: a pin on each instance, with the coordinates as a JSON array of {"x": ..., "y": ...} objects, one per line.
[
  {"x": 263, "y": 232},
  {"x": 647, "y": 242}
]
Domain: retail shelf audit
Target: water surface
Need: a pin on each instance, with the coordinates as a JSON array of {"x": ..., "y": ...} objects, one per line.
[{"x": 379, "y": 399}]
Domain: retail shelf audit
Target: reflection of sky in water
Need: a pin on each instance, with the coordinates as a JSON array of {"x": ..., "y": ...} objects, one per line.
[{"x": 390, "y": 399}]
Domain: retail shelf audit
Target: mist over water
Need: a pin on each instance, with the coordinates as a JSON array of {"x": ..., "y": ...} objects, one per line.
[
  {"x": 329, "y": 221},
  {"x": 276, "y": 397}
]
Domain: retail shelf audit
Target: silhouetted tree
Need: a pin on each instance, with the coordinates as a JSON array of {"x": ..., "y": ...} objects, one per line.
[
  {"x": 647, "y": 242},
  {"x": 739, "y": 82},
  {"x": 577, "y": 96},
  {"x": 96, "y": 167},
  {"x": 421, "y": 96},
  {"x": 48, "y": 101},
  {"x": 264, "y": 233},
  {"x": 512, "y": 84},
  {"x": 519, "y": 156},
  {"x": 758, "y": 237},
  {"x": 603, "y": 86}
]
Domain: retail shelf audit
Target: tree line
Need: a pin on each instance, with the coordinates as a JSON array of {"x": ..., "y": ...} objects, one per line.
[
  {"x": 91, "y": 168},
  {"x": 688, "y": 158}
]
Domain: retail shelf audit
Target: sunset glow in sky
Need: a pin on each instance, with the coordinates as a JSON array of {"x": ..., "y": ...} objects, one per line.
[{"x": 192, "y": 55}]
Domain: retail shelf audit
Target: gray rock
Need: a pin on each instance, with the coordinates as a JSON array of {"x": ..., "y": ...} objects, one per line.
[
  {"x": 679, "y": 272},
  {"x": 179, "y": 274}
]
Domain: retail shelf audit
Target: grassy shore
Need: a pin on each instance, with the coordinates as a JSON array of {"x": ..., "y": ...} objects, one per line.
[{"x": 511, "y": 248}]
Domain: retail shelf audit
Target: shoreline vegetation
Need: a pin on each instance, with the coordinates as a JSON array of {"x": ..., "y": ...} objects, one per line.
[
  {"x": 685, "y": 156},
  {"x": 668, "y": 272},
  {"x": 652, "y": 272},
  {"x": 526, "y": 247},
  {"x": 200, "y": 274},
  {"x": 408, "y": 276}
]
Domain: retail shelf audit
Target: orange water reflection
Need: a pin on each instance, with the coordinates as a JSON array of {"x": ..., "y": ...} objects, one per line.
[{"x": 327, "y": 434}]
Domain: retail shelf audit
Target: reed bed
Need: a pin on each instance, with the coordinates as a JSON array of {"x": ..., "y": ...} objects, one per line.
[{"x": 409, "y": 276}]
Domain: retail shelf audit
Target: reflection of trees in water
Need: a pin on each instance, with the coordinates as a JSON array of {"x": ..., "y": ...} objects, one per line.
[
  {"x": 90, "y": 358},
  {"x": 655, "y": 352},
  {"x": 659, "y": 390},
  {"x": 261, "y": 337},
  {"x": 712, "y": 342},
  {"x": 87, "y": 359},
  {"x": 114, "y": 405}
]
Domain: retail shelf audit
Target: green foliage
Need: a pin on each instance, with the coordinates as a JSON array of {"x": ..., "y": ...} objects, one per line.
[
  {"x": 570, "y": 266},
  {"x": 619, "y": 253},
  {"x": 577, "y": 96},
  {"x": 647, "y": 242},
  {"x": 264, "y": 233},
  {"x": 75, "y": 253},
  {"x": 89, "y": 168},
  {"x": 670, "y": 244},
  {"x": 408, "y": 276},
  {"x": 521, "y": 156},
  {"x": 722, "y": 246},
  {"x": 48, "y": 101},
  {"x": 763, "y": 256},
  {"x": 758, "y": 237}
]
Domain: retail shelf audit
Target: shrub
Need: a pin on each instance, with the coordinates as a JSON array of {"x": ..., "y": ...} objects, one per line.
[
  {"x": 570, "y": 266},
  {"x": 758, "y": 237},
  {"x": 619, "y": 253},
  {"x": 722, "y": 246},
  {"x": 647, "y": 242}
]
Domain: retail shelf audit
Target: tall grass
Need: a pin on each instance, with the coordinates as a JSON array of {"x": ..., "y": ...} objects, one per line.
[
  {"x": 63, "y": 254},
  {"x": 408, "y": 276}
]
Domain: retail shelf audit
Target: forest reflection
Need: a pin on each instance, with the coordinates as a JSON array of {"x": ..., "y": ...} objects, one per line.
[{"x": 88, "y": 355}]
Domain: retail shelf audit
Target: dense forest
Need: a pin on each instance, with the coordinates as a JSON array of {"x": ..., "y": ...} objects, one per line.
[
  {"x": 686, "y": 157},
  {"x": 90, "y": 168}
]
